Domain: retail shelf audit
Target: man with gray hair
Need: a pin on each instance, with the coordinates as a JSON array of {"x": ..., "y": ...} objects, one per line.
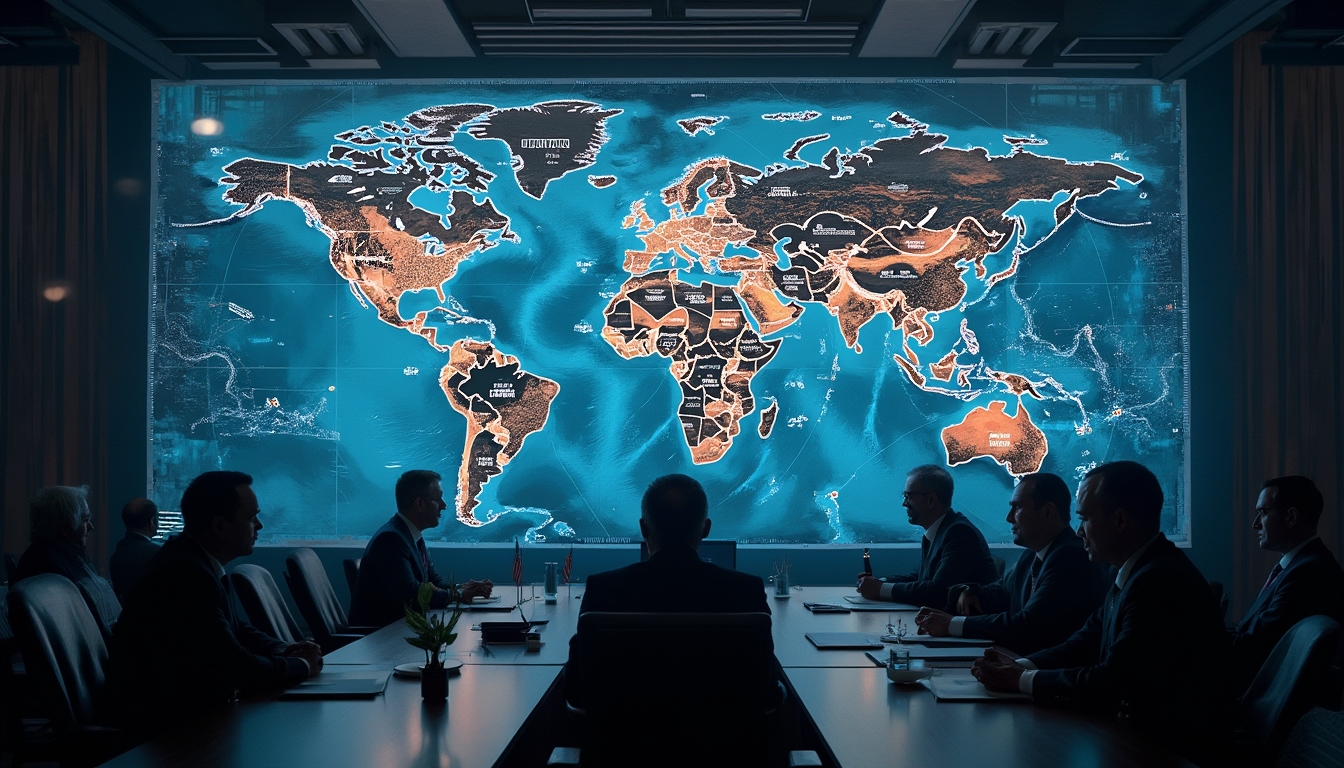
[
  {"x": 59, "y": 522},
  {"x": 953, "y": 551}
]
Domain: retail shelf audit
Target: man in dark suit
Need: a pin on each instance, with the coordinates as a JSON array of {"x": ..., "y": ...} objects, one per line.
[
  {"x": 673, "y": 519},
  {"x": 1306, "y": 581},
  {"x": 59, "y": 523},
  {"x": 180, "y": 648},
  {"x": 396, "y": 561},
  {"x": 131, "y": 559},
  {"x": 953, "y": 551},
  {"x": 1048, "y": 594},
  {"x": 1155, "y": 653}
]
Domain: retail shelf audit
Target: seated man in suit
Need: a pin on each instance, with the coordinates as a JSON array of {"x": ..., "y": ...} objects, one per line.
[
  {"x": 396, "y": 561},
  {"x": 953, "y": 549},
  {"x": 137, "y": 547},
  {"x": 1306, "y": 581},
  {"x": 1155, "y": 653},
  {"x": 59, "y": 523},
  {"x": 673, "y": 519},
  {"x": 180, "y": 648},
  {"x": 1048, "y": 594}
]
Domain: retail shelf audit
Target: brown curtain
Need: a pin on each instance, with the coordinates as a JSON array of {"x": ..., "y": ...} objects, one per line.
[
  {"x": 53, "y": 150},
  {"x": 1288, "y": 188}
]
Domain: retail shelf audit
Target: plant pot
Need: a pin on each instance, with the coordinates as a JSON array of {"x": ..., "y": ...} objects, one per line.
[{"x": 434, "y": 684}]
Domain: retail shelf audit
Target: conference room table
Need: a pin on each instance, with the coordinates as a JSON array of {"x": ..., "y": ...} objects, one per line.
[{"x": 863, "y": 719}]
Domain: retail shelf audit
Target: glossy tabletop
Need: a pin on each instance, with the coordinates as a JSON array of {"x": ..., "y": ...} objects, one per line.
[
  {"x": 868, "y": 722},
  {"x": 487, "y": 704},
  {"x": 791, "y": 621}
]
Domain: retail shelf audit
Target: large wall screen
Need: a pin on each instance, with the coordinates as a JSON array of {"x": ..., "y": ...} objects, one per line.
[{"x": 552, "y": 292}]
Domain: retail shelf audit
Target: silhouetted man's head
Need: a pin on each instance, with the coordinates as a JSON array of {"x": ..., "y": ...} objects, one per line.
[{"x": 673, "y": 513}]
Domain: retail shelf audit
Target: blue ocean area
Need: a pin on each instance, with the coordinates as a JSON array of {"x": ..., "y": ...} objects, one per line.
[{"x": 327, "y": 403}]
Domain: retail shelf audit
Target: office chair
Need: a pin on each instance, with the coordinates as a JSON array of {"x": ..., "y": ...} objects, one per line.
[
  {"x": 262, "y": 602},
  {"x": 673, "y": 689},
  {"x": 308, "y": 583},
  {"x": 352, "y": 573},
  {"x": 66, "y": 660},
  {"x": 1316, "y": 742},
  {"x": 1220, "y": 596},
  {"x": 1302, "y": 671}
]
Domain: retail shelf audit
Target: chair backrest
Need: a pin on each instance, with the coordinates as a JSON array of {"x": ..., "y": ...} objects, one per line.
[
  {"x": 352, "y": 573},
  {"x": 1220, "y": 597},
  {"x": 308, "y": 583},
  {"x": 1301, "y": 672},
  {"x": 62, "y": 647},
  {"x": 669, "y": 682},
  {"x": 11, "y": 565},
  {"x": 1316, "y": 742},
  {"x": 263, "y": 603}
]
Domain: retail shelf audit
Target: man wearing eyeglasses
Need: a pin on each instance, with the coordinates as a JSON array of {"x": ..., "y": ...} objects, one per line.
[
  {"x": 953, "y": 549},
  {"x": 1306, "y": 581}
]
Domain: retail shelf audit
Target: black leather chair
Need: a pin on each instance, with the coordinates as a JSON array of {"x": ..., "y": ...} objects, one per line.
[
  {"x": 65, "y": 659},
  {"x": 262, "y": 601},
  {"x": 675, "y": 689},
  {"x": 1301, "y": 672},
  {"x": 1220, "y": 595},
  {"x": 1316, "y": 742},
  {"x": 351, "y": 573},
  {"x": 308, "y": 583}
]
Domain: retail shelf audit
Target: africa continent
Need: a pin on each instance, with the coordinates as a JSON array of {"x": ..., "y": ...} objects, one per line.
[{"x": 890, "y": 230}]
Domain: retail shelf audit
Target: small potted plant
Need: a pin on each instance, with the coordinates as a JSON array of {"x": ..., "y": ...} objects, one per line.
[{"x": 433, "y": 633}]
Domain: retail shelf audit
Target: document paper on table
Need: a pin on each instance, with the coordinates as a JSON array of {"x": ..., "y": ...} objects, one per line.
[
  {"x": 861, "y": 603},
  {"x": 963, "y": 687}
]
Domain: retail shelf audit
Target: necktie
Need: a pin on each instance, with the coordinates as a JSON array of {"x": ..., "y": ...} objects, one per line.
[
  {"x": 1031, "y": 579},
  {"x": 1273, "y": 574},
  {"x": 924, "y": 545},
  {"x": 424, "y": 558},
  {"x": 1108, "y": 618}
]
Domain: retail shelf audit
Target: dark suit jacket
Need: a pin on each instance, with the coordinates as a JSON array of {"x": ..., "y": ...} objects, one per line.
[
  {"x": 130, "y": 561},
  {"x": 672, "y": 580},
  {"x": 1069, "y": 588},
  {"x": 1311, "y": 584},
  {"x": 180, "y": 649},
  {"x": 1155, "y": 652},
  {"x": 390, "y": 576},
  {"x": 958, "y": 554},
  {"x": 65, "y": 559}
]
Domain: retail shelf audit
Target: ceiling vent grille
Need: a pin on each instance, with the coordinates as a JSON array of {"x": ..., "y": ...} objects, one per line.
[
  {"x": 316, "y": 41},
  {"x": 218, "y": 46},
  {"x": 1008, "y": 38},
  {"x": 668, "y": 38}
]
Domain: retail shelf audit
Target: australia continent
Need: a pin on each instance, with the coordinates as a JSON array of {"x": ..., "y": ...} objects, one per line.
[
  {"x": 502, "y": 403},
  {"x": 1012, "y": 441}
]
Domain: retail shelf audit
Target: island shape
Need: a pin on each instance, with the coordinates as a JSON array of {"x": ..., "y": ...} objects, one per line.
[
  {"x": 547, "y": 140},
  {"x": 1012, "y": 441},
  {"x": 502, "y": 403},
  {"x": 694, "y": 125},
  {"x": 715, "y": 353}
]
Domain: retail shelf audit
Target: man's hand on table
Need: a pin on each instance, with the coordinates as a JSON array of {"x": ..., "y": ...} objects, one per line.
[
  {"x": 308, "y": 651},
  {"x": 997, "y": 671},
  {"x": 933, "y": 622},
  {"x": 474, "y": 588},
  {"x": 870, "y": 587}
]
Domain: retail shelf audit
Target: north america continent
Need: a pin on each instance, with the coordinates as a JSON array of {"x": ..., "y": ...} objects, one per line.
[{"x": 502, "y": 403}]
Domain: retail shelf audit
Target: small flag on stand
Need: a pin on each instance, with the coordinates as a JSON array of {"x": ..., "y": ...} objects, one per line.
[{"x": 569, "y": 563}]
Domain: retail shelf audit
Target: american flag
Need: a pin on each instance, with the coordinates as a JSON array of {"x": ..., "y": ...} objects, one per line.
[
  {"x": 569, "y": 563},
  {"x": 517, "y": 564}
]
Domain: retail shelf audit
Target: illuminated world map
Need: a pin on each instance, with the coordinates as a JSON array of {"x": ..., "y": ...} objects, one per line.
[{"x": 552, "y": 293}]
